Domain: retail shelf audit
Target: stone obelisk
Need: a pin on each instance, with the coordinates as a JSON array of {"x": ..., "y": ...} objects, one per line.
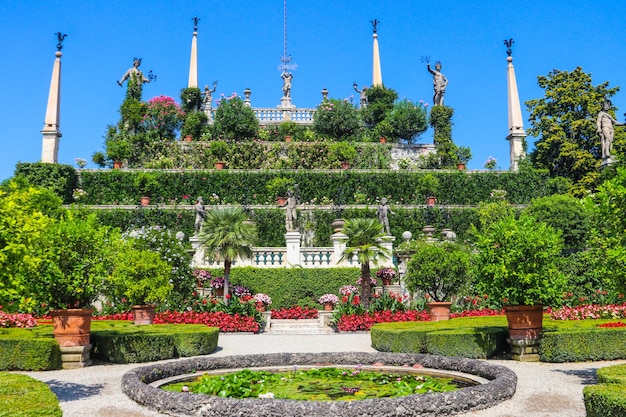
[
  {"x": 51, "y": 133},
  {"x": 377, "y": 74},
  {"x": 193, "y": 60},
  {"x": 516, "y": 124}
]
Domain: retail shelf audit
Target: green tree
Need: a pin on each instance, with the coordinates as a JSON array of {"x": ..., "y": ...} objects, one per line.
[
  {"x": 564, "y": 121},
  {"x": 234, "y": 120},
  {"x": 228, "y": 234},
  {"x": 441, "y": 122},
  {"x": 337, "y": 119},
  {"x": 364, "y": 240},
  {"x": 407, "y": 120},
  {"x": 380, "y": 103}
]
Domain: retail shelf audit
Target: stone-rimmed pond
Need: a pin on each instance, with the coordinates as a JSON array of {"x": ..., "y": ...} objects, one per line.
[{"x": 500, "y": 386}]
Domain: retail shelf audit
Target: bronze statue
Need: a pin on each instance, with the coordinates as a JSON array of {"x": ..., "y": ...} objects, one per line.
[
  {"x": 440, "y": 83},
  {"x": 363, "y": 101},
  {"x": 60, "y": 37},
  {"x": 135, "y": 80},
  {"x": 606, "y": 131},
  {"x": 206, "y": 99}
]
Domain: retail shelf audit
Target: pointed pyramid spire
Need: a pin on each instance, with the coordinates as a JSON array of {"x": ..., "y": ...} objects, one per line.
[
  {"x": 516, "y": 124},
  {"x": 377, "y": 74},
  {"x": 51, "y": 133},
  {"x": 193, "y": 60}
]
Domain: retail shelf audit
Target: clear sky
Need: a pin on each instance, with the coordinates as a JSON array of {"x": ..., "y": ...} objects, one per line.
[{"x": 240, "y": 43}]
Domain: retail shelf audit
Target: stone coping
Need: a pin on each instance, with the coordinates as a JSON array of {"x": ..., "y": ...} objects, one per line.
[{"x": 501, "y": 386}]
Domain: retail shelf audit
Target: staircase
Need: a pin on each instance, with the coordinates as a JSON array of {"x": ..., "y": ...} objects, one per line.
[{"x": 319, "y": 325}]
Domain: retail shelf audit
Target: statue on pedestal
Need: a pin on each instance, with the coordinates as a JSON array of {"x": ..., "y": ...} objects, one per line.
[
  {"x": 363, "y": 101},
  {"x": 207, "y": 97},
  {"x": 291, "y": 216},
  {"x": 606, "y": 130},
  {"x": 383, "y": 213},
  {"x": 287, "y": 77},
  {"x": 135, "y": 79},
  {"x": 440, "y": 83},
  {"x": 200, "y": 215}
]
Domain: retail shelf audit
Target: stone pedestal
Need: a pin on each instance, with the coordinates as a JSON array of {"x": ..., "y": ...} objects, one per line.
[
  {"x": 293, "y": 247},
  {"x": 267, "y": 319},
  {"x": 75, "y": 356},
  {"x": 324, "y": 318},
  {"x": 387, "y": 243},
  {"x": 197, "y": 259},
  {"x": 339, "y": 246},
  {"x": 524, "y": 350}
]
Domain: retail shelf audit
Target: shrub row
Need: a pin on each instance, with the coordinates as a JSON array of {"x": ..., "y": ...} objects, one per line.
[
  {"x": 32, "y": 349},
  {"x": 590, "y": 344},
  {"x": 270, "y": 222},
  {"x": 609, "y": 397},
  {"x": 123, "y": 342},
  {"x": 341, "y": 187},
  {"x": 62, "y": 179},
  {"x": 23, "y": 396}
]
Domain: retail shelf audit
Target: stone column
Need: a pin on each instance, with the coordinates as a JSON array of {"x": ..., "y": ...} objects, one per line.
[
  {"x": 377, "y": 73},
  {"x": 50, "y": 131},
  {"x": 339, "y": 246},
  {"x": 197, "y": 260},
  {"x": 193, "y": 62},
  {"x": 516, "y": 124},
  {"x": 388, "y": 244},
  {"x": 293, "y": 247}
]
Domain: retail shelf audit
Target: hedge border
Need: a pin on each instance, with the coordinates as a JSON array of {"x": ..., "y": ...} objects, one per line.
[{"x": 609, "y": 397}]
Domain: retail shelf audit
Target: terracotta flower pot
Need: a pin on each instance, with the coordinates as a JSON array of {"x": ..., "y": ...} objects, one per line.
[
  {"x": 219, "y": 292},
  {"x": 382, "y": 140},
  {"x": 525, "y": 322},
  {"x": 188, "y": 138},
  {"x": 72, "y": 327},
  {"x": 117, "y": 164},
  {"x": 220, "y": 165},
  {"x": 281, "y": 201},
  {"x": 144, "y": 314},
  {"x": 329, "y": 306},
  {"x": 287, "y": 138},
  {"x": 460, "y": 166},
  {"x": 345, "y": 165},
  {"x": 430, "y": 201},
  {"x": 439, "y": 310},
  {"x": 145, "y": 201},
  {"x": 386, "y": 281}
]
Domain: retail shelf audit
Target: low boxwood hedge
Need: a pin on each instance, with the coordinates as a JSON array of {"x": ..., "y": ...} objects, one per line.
[
  {"x": 23, "y": 396},
  {"x": 607, "y": 399},
  {"x": 31, "y": 349},
  {"x": 123, "y": 342}
]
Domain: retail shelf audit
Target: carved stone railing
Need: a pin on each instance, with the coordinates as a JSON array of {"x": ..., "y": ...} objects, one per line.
[
  {"x": 317, "y": 257},
  {"x": 268, "y": 116}
]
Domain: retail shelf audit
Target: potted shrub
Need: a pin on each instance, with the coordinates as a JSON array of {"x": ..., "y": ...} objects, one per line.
[
  {"x": 328, "y": 301},
  {"x": 439, "y": 270},
  {"x": 75, "y": 256},
  {"x": 463, "y": 154},
  {"x": 217, "y": 285},
  {"x": 517, "y": 264},
  {"x": 428, "y": 185},
  {"x": 386, "y": 275},
  {"x": 219, "y": 150},
  {"x": 193, "y": 126},
  {"x": 278, "y": 187},
  {"x": 262, "y": 301},
  {"x": 118, "y": 150},
  {"x": 147, "y": 184},
  {"x": 143, "y": 278},
  {"x": 342, "y": 152}
]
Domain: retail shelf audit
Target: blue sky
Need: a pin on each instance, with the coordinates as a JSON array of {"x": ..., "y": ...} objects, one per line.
[{"x": 240, "y": 44}]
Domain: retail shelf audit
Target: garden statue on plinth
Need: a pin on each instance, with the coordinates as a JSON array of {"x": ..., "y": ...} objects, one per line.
[
  {"x": 135, "y": 79},
  {"x": 440, "y": 82},
  {"x": 285, "y": 102},
  {"x": 606, "y": 131},
  {"x": 200, "y": 215},
  {"x": 383, "y": 213},
  {"x": 363, "y": 101},
  {"x": 207, "y": 97},
  {"x": 291, "y": 216}
]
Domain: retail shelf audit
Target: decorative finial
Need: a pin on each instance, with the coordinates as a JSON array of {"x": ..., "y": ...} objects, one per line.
[
  {"x": 374, "y": 23},
  {"x": 60, "y": 38},
  {"x": 195, "y": 23},
  {"x": 509, "y": 43}
]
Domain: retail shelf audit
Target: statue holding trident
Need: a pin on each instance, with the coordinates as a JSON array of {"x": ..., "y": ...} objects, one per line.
[
  {"x": 135, "y": 79},
  {"x": 440, "y": 82},
  {"x": 208, "y": 96},
  {"x": 363, "y": 100},
  {"x": 606, "y": 131}
]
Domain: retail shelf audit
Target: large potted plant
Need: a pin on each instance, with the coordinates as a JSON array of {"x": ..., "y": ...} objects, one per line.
[
  {"x": 343, "y": 152},
  {"x": 75, "y": 256},
  {"x": 277, "y": 188},
  {"x": 463, "y": 154},
  {"x": 143, "y": 278},
  {"x": 428, "y": 185},
  {"x": 219, "y": 151},
  {"x": 439, "y": 270},
  {"x": 194, "y": 125},
  {"x": 147, "y": 184},
  {"x": 517, "y": 264}
]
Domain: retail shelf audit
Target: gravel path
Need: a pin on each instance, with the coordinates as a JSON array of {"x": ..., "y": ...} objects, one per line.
[{"x": 544, "y": 390}]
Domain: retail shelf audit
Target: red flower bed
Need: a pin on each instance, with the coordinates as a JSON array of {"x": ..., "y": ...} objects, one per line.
[
  {"x": 356, "y": 322},
  {"x": 615, "y": 324},
  {"x": 296, "y": 312},
  {"x": 226, "y": 322},
  {"x": 115, "y": 316},
  {"x": 478, "y": 313}
]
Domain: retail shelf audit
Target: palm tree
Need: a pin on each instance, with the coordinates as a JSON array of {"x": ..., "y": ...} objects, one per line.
[
  {"x": 228, "y": 234},
  {"x": 364, "y": 238}
]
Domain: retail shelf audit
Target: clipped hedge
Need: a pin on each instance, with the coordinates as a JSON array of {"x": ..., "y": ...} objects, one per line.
[
  {"x": 579, "y": 345},
  {"x": 33, "y": 349},
  {"x": 271, "y": 221},
  {"x": 123, "y": 342},
  {"x": 293, "y": 286},
  {"x": 476, "y": 338},
  {"x": 344, "y": 186},
  {"x": 23, "y": 396},
  {"x": 608, "y": 398},
  {"x": 62, "y": 179}
]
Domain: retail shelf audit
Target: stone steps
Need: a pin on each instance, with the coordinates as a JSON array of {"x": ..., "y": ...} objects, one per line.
[{"x": 301, "y": 326}]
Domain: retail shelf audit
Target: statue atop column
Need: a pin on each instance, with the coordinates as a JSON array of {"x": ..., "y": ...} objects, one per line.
[
  {"x": 363, "y": 100},
  {"x": 440, "y": 83},
  {"x": 200, "y": 216},
  {"x": 606, "y": 131},
  {"x": 208, "y": 97},
  {"x": 287, "y": 77},
  {"x": 135, "y": 79},
  {"x": 383, "y": 213}
]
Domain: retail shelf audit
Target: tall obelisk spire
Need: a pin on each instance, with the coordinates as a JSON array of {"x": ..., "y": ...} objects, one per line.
[
  {"x": 193, "y": 60},
  {"x": 516, "y": 124},
  {"x": 377, "y": 74},
  {"x": 50, "y": 131}
]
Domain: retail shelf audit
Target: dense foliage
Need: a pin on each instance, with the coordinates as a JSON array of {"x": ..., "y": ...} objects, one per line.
[
  {"x": 337, "y": 119},
  {"x": 234, "y": 120},
  {"x": 60, "y": 179}
]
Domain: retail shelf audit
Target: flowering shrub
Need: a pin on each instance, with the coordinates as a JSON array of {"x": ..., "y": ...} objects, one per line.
[
  {"x": 477, "y": 313},
  {"x": 365, "y": 321},
  {"x": 386, "y": 273},
  {"x": 328, "y": 298},
  {"x": 348, "y": 289},
  {"x": 388, "y": 301},
  {"x": 78, "y": 193},
  {"x": 590, "y": 311},
  {"x": 17, "y": 320},
  {"x": 115, "y": 316},
  {"x": 336, "y": 118},
  {"x": 202, "y": 275},
  {"x": 262, "y": 298},
  {"x": 241, "y": 291},
  {"x": 372, "y": 281},
  {"x": 490, "y": 163},
  {"x": 225, "y": 322},
  {"x": 164, "y": 116},
  {"x": 295, "y": 313},
  {"x": 217, "y": 282}
]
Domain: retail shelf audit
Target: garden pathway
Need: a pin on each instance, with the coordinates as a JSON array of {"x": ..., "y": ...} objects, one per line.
[{"x": 544, "y": 390}]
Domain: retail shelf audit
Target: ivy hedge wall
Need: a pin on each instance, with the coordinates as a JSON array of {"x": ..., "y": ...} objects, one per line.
[
  {"x": 331, "y": 186},
  {"x": 271, "y": 221}
]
